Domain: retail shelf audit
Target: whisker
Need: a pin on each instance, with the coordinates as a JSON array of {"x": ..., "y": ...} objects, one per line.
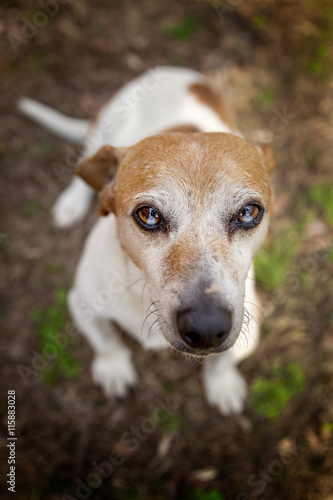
[
  {"x": 266, "y": 284},
  {"x": 147, "y": 315},
  {"x": 151, "y": 326},
  {"x": 128, "y": 288},
  {"x": 245, "y": 338},
  {"x": 156, "y": 322},
  {"x": 159, "y": 324},
  {"x": 142, "y": 292},
  {"x": 248, "y": 327},
  {"x": 251, "y": 317},
  {"x": 158, "y": 330},
  {"x": 200, "y": 360},
  {"x": 255, "y": 305}
]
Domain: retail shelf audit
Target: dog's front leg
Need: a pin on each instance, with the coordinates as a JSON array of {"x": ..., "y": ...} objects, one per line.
[
  {"x": 73, "y": 203},
  {"x": 224, "y": 386},
  {"x": 112, "y": 367}
]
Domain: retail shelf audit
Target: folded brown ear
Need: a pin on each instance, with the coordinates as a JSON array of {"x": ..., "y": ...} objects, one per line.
[
  {"x": 100, "y": 168},
  {"x": 106, "y": 200},
  {"x": 268, "y": 156}
]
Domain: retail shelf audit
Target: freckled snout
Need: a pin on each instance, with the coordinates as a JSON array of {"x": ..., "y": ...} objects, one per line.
[{"x": 204, "y": 326}]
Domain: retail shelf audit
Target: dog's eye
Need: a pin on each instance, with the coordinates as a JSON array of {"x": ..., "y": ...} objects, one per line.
[
  {"x": 248, "y": 214},
  {"x": 149, "y": 216},
  {"x": 248, "y": 217}
]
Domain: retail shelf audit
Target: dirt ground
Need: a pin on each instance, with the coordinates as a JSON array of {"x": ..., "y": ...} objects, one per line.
[{"x": 71, "y": 441}]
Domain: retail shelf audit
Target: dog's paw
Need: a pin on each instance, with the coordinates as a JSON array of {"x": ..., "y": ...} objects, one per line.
[
  {"x": 70, "y": 208},
  {"x": 226, "y": 391},
  {"x": 115, "y": 373}
]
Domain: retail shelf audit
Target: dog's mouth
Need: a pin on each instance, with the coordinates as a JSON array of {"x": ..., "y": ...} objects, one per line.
[{"x": 200, "y": 352}]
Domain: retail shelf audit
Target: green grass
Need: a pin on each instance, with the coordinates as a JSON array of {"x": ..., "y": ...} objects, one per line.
[
  {"x": 276, "y": 257},
  {"x": 31, "y": 209},
  {"x": 50, "y": 324},
  {"x": 327, "y": 428},
  {"x": 208, "y": 495},
  {"x": 316, "y": 47},
  {"x": 3, "y": 238},
  {"x": 175, "y": 60},
  {"x": 319, "y": 63},
  {"x": 123, "y": 494},
  {"x": 266, "y": 97},
  {"x": 41, "y": 148},
  {"x": 168, "y": 387},
  {"x": 197, "y": 494},
  {"x": 322, "y": 196},
  {"x": 185, "y": 29},
  {"x": 278, "y": 254},
  {"x": 268, "y": 397},
  {"x": 259, "y": 22},
  {"x": 305, "y": 279},
  {"x": 34, "y": 63},
  {"x": 170, "y": 424},
  {"x": 331, "y": 254},
  {"x": 51, "y": 268}
]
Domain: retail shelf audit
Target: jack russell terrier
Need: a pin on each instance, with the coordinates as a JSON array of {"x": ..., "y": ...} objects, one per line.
[{"x": 187, "y": 204}]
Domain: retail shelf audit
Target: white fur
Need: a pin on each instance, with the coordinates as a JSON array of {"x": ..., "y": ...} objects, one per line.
[
  {"x": 73, "y": 204},
  {"x": 72, "y": 129},
  {"x": 224, "y": 386},
  {"x": 113, "y": 289}
]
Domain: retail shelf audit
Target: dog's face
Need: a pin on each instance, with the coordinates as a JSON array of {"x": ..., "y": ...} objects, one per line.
[{"x": 192, "y": 211}]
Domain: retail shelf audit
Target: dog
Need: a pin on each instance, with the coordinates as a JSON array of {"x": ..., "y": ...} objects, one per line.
[{"x": 186, "y": 204}]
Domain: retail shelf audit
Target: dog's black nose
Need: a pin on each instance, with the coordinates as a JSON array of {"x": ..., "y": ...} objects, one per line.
[{"x": 204, "y": 327}]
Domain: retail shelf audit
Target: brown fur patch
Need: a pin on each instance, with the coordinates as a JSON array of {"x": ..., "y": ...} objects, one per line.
[
  {"x": 185, "y": 258},
  {"x": 100, "y": 168},
  {"x": 221, "y": 156},
  {"x": 210, "y": 98},
  {"x": 185, "y": 129},
  {"x": 106, "y": 200},
  {"x": 268, "y": 156}
]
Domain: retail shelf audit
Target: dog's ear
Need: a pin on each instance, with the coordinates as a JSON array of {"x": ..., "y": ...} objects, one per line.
[
  {"x": 106, "y": 199},
  {"x": 99, "y": 171},
  {"x": 268, "y": 156}
]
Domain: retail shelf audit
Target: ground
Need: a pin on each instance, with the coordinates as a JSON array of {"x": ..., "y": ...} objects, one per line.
[{"x": 164, "y": 441}]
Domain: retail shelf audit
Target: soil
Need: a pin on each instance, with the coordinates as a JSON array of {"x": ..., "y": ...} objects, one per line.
[{"x": 277, "y": 58}]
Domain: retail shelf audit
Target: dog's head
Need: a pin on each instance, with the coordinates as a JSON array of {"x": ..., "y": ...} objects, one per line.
[{"x": 192, "y": 211}]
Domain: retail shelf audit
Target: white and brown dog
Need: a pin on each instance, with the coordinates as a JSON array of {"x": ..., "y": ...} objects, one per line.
[{"x": 187, "y": 201}]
